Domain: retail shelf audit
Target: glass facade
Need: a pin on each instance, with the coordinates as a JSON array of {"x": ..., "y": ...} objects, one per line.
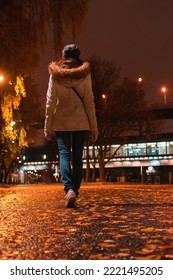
[
  {"x": 137, "y": 150},
  {"x": 130, "y": 163}
]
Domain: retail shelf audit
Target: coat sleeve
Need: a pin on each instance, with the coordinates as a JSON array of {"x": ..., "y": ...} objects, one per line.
[
  {"x": 51, "y": 100},
  {"x": 89, "y": 104}
]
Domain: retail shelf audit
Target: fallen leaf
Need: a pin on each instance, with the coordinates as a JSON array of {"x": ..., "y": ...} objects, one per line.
[
  {"x": 170, "y": 230},
  {"x": 155, "y": 236},
  {"x": 125, "y": 250},
  {"x": 123, "y": 254},
  {"x": 107, "y": 245},
  {"x": 96, "y": 257},
  {"x": 150, "y": 257},
  {"x": 169, "y": 256},
  {"x": 166, "y": 246},
  {"x": 72, "y": 229},
  {"x": 143, "y": 252},
  {"x": 109, "y": 241},
  {"x": 123, "y": 217},
  {"x": 149, "y": 229},
  {"x": 119, "y": 235}
]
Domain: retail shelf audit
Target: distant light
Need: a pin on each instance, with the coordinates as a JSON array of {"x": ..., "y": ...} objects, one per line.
[
  {"x": 140, "y": 79},
  {"x": 12, "y": 123},
  {"x": 1, "y": 78},
  {"x": 103, "y": 96},
  {"x": 163, "y": 89}
]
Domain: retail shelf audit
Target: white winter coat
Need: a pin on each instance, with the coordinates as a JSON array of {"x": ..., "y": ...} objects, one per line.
[{"x": 64, "y": 109}]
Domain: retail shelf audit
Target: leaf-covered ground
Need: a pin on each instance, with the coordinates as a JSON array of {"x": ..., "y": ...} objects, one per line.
[{"x": 110, "y": 222}]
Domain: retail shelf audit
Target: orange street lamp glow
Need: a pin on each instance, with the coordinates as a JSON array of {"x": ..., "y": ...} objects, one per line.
[
  {"x": 1, "y": 78},
  {"x": 139, "y": 79},
  {"x": 164, "y": 91},
  {"x": 103, "y": 96},
  {"x": 13, "y": 123}
]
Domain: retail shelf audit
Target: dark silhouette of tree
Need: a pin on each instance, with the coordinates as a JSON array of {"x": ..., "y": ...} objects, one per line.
[
  {"x": 25, "y": 25},
  {"x": 121, "y": 111}
]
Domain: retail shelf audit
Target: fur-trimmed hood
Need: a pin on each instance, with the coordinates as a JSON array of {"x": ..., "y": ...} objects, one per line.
[{"x": 69, "y": 72}]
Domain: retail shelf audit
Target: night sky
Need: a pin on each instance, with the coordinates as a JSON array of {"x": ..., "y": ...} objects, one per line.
[{"x": 137, "y": 35}]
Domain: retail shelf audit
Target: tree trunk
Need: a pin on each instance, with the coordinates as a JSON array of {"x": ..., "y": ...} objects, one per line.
[{"x": 102, "y": 170}]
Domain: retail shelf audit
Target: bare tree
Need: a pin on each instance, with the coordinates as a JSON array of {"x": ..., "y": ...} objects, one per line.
[{"x": 121, "y": 111}]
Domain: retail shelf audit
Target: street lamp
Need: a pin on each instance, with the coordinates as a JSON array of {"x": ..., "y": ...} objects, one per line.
[
  {"x": 12, "y": 123},
  {"x": 164, "y": 91},
  {"x": 104, "y": 99},
  {"x": 1, "y": 78},
  {"x": 140, "y": 80}
]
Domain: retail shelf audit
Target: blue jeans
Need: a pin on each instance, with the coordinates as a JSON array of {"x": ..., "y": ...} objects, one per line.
[{"x": 70, "y": 146}]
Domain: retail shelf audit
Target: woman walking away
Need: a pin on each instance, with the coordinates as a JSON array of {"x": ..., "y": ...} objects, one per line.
[{"x": 70, "y": 113}]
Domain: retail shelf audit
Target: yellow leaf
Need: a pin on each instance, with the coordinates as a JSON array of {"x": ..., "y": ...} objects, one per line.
[
  {"x": 149, "y": 229},
  {"x": 155, "y": 236}
]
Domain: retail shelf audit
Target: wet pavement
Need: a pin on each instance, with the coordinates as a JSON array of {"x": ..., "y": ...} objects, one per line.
[{"x": 111, "y": 222}]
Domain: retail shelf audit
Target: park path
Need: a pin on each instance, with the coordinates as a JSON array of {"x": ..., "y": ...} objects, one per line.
[{"x": 111, "y": 222}]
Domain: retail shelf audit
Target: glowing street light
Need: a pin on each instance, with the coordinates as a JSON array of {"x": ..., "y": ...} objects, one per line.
[
  {"x": 104, "y": 96},
  {"x": 1, "y": 78},
  {"x": 140, "y": 80},
  {"x": 12, "y": 123},
  {"x": 164, "y": 91}
]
